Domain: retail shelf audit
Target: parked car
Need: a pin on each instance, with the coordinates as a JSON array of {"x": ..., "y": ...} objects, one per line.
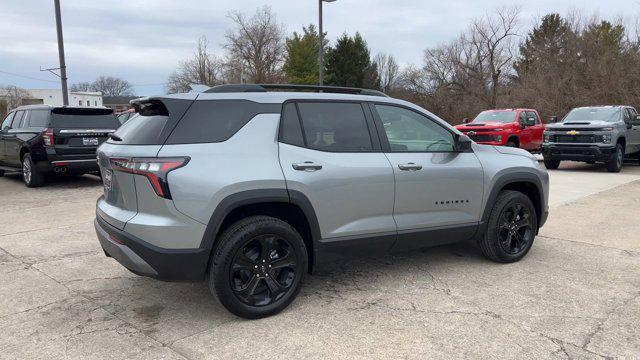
[
  {"x": 251, "y": 188},
  {"x": 125, "y": 116},
  {"x": 507, "y": 127},
  {"x": 593, "y": 134},
  {"x": 40, "y": 139}
]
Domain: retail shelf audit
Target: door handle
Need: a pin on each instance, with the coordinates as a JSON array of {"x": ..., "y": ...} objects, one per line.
[
  {"x": 410, "y": 166},
  {"x": 306, "y": 166}
]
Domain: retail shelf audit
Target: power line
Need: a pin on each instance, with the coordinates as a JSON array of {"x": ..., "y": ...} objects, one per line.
[{"x": 27, "y": 77}]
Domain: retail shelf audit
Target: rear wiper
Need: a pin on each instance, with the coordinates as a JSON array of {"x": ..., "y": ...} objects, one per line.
[{"x": 115, "y": 137}]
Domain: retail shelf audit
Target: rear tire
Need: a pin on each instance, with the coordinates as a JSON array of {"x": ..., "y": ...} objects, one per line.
[
  {"x": 551, "y": 164},
  {"x": 511, "y": 228},
  {"x": 615, "y": 165},
  {"x": 1, "y": 173},
  {"x": 31, "y": 176},
  {"x": 258, "y": 267}
]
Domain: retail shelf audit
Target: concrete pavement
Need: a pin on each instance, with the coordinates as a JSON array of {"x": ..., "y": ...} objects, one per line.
[{"x": 576, "y": 294}]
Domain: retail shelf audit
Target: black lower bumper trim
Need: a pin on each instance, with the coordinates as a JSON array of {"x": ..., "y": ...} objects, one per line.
[
  {"x": 578, "y": 153},
  {"x": 146, "y": 259}
]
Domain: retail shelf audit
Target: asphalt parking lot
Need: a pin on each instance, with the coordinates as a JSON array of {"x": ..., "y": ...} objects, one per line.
[{"x": 576, "y": 295}]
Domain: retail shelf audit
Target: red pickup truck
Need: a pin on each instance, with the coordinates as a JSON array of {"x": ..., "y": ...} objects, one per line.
[{"x": 507, "y": 127}]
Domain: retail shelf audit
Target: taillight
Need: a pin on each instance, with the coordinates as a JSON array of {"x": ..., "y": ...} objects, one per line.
[
  {"x": 154, "y": 169},
  {"x": 47, "y": 135}
]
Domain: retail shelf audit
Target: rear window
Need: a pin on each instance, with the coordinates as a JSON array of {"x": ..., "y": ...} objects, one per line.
[
  {"x": 210, "y": 121},
  {"x": 85, "y": 121},
  {"x": 141, "y": 130},
  {"x": 38, "y": 118}
]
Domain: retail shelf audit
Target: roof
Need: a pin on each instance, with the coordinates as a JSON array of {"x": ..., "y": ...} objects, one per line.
[{"x": 107, "y": 100}]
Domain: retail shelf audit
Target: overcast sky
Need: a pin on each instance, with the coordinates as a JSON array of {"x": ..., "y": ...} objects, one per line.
[{"x": 143, "y": 40}]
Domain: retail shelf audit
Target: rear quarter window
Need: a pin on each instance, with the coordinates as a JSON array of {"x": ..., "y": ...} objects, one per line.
[
  {"x": 39, "y": 118},
  {"x": 211, "y": 121}
]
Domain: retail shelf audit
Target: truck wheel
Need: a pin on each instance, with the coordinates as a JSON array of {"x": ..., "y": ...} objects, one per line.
[
  {"x": 615, "y": 164},
  {"x": 511, "y": 143},
  {"x": 31, "y": 176},
  {"x": 1, "y": 173},
  {"x": 258, "y": 267},
  {"x": 511, "y": 228},
  {"x": 551, "y": 164}
]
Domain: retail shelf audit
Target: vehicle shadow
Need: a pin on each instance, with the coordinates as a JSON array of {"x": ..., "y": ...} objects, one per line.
[{"x": 60, "y": 181}]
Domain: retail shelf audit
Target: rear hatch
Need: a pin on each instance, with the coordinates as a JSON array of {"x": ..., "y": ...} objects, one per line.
[
  {"x": 77, "y": 132},
  {"x": 141, "y": 137}
]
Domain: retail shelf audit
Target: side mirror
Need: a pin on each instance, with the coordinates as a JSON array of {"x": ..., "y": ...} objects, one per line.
[
  {"x": 465, "y": 120},
  {"x": 553, "y": 119},
  {"x": 635, "y": 121},
  {"x": 462, "y": 143}
]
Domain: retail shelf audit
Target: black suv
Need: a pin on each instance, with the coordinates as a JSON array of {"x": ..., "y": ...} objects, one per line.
[{"x": 41, "y": 139}]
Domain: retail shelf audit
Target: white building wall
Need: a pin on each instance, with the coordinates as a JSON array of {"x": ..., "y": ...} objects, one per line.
[{"x": 53, "y": 97}]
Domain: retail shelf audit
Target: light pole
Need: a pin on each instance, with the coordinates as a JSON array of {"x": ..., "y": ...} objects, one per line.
[
  {"x": 63, "y": 67},
  {"x": 321, "y": 44}
]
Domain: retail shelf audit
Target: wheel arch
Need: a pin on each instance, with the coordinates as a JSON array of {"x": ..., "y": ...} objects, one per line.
[
  {"x": 524, "y": 182},
  {"x": 515, "y": 139},
  {"x": 290, "y": 206}
]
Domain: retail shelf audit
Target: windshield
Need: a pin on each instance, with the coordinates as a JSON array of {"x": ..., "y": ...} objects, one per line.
[
  {"x": 495, "y": 116},
  {"x": 592, "y": 114}
]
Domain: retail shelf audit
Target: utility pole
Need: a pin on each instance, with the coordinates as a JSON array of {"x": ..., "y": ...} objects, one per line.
[
  {"x": 63, "y": 67},
  {"x": 321, "y": 44}
]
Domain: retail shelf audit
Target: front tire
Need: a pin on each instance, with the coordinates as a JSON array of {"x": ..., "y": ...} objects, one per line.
[
  {"x": 258, "y": 267},
  {"x": 511, "y": 228},
  {"x": 615, "y": 164},
  {"x": 31, "y": 176},
  {"x": 551, "y": 164},
  {"x": 511, "y": 143}
]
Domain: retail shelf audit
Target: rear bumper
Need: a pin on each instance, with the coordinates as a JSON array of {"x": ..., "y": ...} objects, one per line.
[
  {"x": 73, "y": 164},
  {"x": 145, "y": 259},
  {"x": 578, "y": 152}
]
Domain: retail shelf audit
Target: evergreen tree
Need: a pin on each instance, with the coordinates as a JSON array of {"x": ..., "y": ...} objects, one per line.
[
  {"x": 301, "y": 63},
  {"x": 349, "y": 64}
]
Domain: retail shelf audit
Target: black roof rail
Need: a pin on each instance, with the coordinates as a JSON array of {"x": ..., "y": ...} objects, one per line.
[{"x": 231, "y": 88}]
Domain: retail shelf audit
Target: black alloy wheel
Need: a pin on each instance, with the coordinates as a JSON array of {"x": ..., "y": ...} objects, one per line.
[
  {"x": 263, "y": 270},
  {"x": 258, "y": 266},
  {"x": 515, "y": 231},
  {"x": 511, "y": 228}
]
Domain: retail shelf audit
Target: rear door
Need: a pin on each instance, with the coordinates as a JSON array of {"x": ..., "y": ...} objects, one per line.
[
  {"x": 330, "y": 152},
  {"x": 78, "y": 132},
  {"x": 438, "y": 192}
]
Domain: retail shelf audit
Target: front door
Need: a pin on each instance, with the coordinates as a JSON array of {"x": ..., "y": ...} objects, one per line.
[
  {"x": 330, "y": 153},
  {"x": 4, "y": 129},
  {"x": 536, "y": 131},
  {"x": 12, "y": 140},
  {"x": 525, "y": 131},
  {"x": 438, "y": 191},
  {"x": 633, "y": 131}
]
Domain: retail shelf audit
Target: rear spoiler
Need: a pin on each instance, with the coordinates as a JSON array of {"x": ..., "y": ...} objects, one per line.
[
  {"x": 81, "y": 111},
  {"x": 173, "y": 107}
]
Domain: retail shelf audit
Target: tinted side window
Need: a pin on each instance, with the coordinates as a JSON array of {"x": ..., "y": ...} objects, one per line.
[
  {"x": 532, "y": 114},
  {"x": 339, "y": 127},
  {"x": 290, "y": 130},
  {"x": 410, "y": 131},
  {"x": 522, "y": 118},
  {"x": 17, "y": 119},
  {"x": 6, "y": 123},
  {"x": 39, "y": 118},
  {"x": 210, "y": 121}
]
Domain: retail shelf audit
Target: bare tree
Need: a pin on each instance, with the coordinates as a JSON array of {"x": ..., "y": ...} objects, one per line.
[
  {"x": 388, "y": 70},
  {"x": 256, "y": 46},
  {"x": 112, "y": 86},
  {"x": 81, "y": 86},
  {"x": 203, "y": 69},
  {"x": 11, "y": 97}
]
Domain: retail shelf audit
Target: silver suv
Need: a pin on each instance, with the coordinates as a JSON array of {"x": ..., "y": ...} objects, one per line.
[{"x": 250, "y": 188}]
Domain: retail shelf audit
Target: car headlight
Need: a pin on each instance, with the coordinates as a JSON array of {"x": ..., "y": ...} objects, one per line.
[
  {"x": 606, "y": 139},
  {"x": 546, "y": 138},
  {"x": 498, "y": 138}
]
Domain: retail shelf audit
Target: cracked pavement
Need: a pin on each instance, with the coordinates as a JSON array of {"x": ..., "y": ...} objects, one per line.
[{"x": 576, "y": 294}]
